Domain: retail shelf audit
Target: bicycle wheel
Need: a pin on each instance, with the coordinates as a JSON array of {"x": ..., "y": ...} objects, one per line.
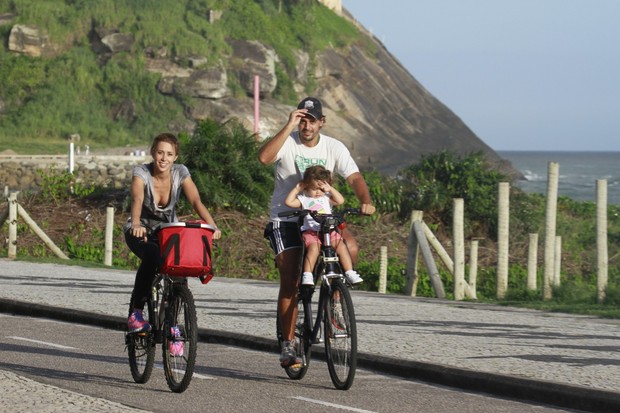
[
  {"x": 180, "y": 338},
  {"x": 141, "y": 349},
  {"x": 340, "y": 335},
  {"x": 302, "y": 341}
]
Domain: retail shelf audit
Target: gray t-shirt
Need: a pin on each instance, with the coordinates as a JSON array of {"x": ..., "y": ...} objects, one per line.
[{"x": 152, "y": 214}]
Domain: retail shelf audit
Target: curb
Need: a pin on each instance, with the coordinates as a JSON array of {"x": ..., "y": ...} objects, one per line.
[{"x": 556, "y": 394}]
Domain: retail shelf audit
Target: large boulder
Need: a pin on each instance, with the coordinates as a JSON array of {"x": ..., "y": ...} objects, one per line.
[
  {"x": 210, "y": 83},
  {"x": 252, "y": 58},
  {"x": 300, "y": 77},
  {"x": 118, "y": 42},
  {"x": 110, "y": 40},
  {"x": 27, "y": 40},
  {"x": 167, "y": 68}
]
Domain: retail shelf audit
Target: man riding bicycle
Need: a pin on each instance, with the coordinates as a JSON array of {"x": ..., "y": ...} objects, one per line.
[{"x": 292, "y": 151}]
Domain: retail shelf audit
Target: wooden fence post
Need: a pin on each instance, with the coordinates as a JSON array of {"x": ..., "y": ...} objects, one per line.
[
  {"x": 550, "y": 226},
  {"x": 439, "y": 249},
  {"x": 601, "y": 240},
  {"x": 473, "y": 268},
  {"x": 532, "y": 262},
  {"x": 383, "y": 270},
  {"x": 458, "y": 241},
  {"x": 71, "y": 158},
  {"x": 109, "y": 232},
  {"x": 411, "y": 270},
  {"x": 427, "y": 255},
  {"x": 503, "y": 218},
  {"x": 12, "y": 248},
  {"x": 37, "y": 230}
]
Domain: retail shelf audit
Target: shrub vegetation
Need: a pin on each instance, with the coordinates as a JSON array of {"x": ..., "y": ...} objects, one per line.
[
  {"x": 223, "y": 161},
  {"x": 40, "y": 108}
]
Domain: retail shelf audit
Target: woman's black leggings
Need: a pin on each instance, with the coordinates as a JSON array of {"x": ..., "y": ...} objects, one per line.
[{"x": 149, "y": 254}]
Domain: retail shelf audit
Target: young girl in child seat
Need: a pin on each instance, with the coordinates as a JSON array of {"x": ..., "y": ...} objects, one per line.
[{"x": 315, "y": 193}]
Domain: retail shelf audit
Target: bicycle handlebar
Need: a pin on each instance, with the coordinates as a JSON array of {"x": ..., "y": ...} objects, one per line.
[
  {"x": 318, "y": 216},
  {"x": 187, "y": 224}
]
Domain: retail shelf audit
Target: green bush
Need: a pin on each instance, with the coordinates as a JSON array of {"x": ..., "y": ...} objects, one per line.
[
  {"x": 62, "y": 185},
  {"x": 385, "y": 192},
  {"x": 433, "y": 183},
  {"x": 223, "y": 160},
  {"x": 370, "y": 271}
]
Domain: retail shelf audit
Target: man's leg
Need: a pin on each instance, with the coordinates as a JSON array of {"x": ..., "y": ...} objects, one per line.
[
  {"x": 351, "y": 244},
  {"x": 289, "y": 265}
]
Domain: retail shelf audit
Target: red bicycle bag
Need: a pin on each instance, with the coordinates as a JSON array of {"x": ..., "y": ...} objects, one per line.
[{"x": 186, "y": 249}]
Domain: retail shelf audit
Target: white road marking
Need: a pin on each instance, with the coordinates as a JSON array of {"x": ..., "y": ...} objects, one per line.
[
  {"x": 45, "y": 343},
  {"x": 337, "y": 406}
]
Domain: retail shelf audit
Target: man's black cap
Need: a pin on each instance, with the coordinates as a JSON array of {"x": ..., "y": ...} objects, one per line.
[{"x": 314, "y": 107}]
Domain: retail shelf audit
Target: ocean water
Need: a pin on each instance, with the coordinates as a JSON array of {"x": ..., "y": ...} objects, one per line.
[{"x": 578, "y": 172}]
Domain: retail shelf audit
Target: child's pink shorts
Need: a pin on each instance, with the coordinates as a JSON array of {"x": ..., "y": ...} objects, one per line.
[{"x": 312, "y": 237}]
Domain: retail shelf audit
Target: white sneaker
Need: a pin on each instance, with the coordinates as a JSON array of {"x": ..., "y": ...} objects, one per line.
[
  {"x": 353, "y": 277},
  {"x": 307, "y": 279}
]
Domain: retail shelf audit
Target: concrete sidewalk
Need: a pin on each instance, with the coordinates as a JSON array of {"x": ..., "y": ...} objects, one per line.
[{"x": 565, "y": 360}]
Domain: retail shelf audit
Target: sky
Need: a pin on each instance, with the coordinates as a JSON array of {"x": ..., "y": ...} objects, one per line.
[{"x": 532, "y": 75}]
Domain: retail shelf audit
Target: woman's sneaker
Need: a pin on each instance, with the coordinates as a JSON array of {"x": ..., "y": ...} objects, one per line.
[
  {"x": 176, "y": 347},
  {"x": 353, "y": 277},
  {"x": 136, "y": 323}
]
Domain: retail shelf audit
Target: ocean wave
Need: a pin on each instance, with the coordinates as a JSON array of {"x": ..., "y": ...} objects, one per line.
[{"x": 533, "y": 177}]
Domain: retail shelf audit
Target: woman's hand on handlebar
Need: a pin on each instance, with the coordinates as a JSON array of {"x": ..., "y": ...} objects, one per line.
[
  {"x": 138, "y": 231},
  {"x": 217, "y": 234}
]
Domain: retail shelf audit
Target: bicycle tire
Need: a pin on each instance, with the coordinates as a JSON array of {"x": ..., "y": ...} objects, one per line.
[
  {"x": 141, "y": 349},
  {"x": 303, "y": 334},
  {"x": 340, "y": 335},
  {"x": 181, "y": 313}
]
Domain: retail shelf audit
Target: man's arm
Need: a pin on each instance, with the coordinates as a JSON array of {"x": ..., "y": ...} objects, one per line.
[
  {"x": 268, "y": 152},
  {"x": 357, "y": 182}
]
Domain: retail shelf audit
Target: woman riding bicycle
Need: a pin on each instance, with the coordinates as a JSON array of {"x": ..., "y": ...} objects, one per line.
[
  {"x": 155, "y": 190},
  {"x": 315, "y": 193}
]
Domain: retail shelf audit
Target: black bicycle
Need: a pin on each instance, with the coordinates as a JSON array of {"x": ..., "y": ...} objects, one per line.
[
  {"x": 334, "y": 324},
  {"x": 172, "y": 314}
]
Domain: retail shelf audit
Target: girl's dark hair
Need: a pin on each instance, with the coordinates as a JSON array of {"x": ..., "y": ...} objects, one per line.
[
  {"x": 317, "y": 173},
  {"x": 165, "y": 137}
]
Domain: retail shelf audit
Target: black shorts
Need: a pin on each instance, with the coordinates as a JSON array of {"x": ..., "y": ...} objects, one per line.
[{"x": 283, "y": 235}]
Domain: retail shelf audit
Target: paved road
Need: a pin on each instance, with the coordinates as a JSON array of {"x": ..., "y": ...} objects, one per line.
[
  {"x": 91, "y": 361},
  {"x": 569, "y": 361}
]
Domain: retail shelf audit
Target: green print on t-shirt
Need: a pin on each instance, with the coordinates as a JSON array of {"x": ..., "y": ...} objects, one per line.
[{"x": 304, "y": 163}]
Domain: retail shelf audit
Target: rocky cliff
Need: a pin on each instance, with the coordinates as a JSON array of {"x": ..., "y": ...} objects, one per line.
[{"x": 371, "y": 102}]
